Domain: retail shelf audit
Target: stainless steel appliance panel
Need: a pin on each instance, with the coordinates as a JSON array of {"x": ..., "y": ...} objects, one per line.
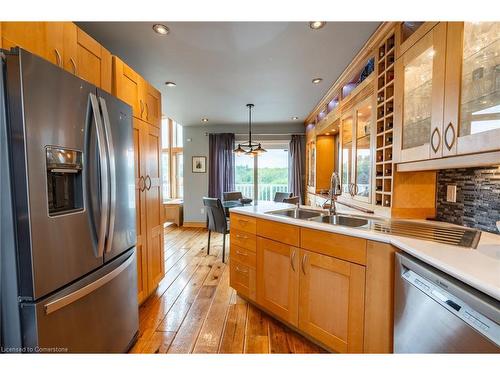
[
  {"x": 435, "y": 313},
  {"x": 117, "y": 122},
  {"x": 98, "y": 314},
  {"x": 52, "y": 109}
]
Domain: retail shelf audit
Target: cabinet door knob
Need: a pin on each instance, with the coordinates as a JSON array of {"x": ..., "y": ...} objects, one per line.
[
  {"x": 449, "y": 143},
  {"x": 147, "y": 111},
  {"x": 58, "y": 57},
  {"x": 142, "y": 107},
  {"x": 74, "y": 66},
  {"x": 292, "y": 260},
  {"x": 435, "y": 137}
]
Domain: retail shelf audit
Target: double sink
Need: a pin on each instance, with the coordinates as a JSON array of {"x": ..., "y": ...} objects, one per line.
[
  {"x": 450, "y": 235},
  {"x": 318, "y": 216}
]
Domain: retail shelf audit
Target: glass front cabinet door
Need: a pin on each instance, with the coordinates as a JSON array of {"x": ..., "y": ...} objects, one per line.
[
  {"x": 419, "y": 80},
  {"x": 472, "y": 93},
  {"x": 356, "y": 157}
]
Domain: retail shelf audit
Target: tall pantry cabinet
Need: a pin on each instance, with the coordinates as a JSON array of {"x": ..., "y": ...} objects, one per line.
[{"x": 146, "y": 109}]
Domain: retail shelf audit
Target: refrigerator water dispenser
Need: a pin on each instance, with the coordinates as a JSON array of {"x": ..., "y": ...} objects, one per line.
[{"x": 64, "y": 180}]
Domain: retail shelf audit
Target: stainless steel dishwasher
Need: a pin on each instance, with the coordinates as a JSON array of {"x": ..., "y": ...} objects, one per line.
[{"x": 435, "y": 313}]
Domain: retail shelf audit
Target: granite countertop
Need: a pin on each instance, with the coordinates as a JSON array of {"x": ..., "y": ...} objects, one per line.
[{"x": 479, "y": 268}]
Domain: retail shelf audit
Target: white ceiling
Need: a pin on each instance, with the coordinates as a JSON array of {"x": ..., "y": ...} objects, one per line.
[{"x": 220, "y": 66}]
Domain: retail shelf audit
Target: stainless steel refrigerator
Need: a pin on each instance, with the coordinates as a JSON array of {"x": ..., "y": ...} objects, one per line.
[{"x": 68, "y": 272}]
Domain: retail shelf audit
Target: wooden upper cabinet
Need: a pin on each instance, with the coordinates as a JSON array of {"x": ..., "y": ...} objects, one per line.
[
  {"x": 86, "y": 58},
  {"x": 130, "y": 87},
  {"x": 151, "y": 99},
  {"x": 278, "y": 279},
  {"x": 126, "y": 85},
  {"x": 472, "y": 93},
  {"x": 419, "y": 98},
  {"x": 331, "y": 302},
  {"x": 44, "y": 39}
]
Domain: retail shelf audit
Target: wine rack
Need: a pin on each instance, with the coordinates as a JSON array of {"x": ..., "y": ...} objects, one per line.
[{"x": 385, "y": 120}]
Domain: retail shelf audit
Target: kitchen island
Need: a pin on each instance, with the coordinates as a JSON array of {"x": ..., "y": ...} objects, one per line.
[{"x": 335, "y": 284}]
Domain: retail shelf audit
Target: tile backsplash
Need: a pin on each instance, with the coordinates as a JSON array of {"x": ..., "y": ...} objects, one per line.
[{"x": 478, "y": 197}]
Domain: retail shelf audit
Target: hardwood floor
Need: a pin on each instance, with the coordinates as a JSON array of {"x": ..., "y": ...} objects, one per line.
[{"x": 194, "y": 310}]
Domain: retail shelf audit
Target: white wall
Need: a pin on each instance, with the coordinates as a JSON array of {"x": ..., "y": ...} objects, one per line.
[{"x": 196, "y": 144}]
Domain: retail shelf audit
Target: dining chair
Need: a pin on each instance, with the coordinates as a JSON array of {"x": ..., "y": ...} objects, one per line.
[
  {"x": 292, "y": 200},
  {"x": 280, "y": 195},
  {"x": 232, "y": 195},
  {"x": 217, "y": 222}
]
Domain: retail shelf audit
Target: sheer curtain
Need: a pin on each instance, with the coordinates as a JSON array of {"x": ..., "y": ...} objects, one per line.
[
  {"x": 220, "y": 164},
  {"x": 297, "y": 166}
]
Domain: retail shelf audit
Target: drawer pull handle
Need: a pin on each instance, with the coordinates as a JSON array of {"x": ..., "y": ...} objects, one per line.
[
  {"x": 75, "y": 72},
  {"x": 58, "y": 57},
  {"x": 240, "y": 253},
  {"x": 292, "y": 260},
  {"x": 449, "y": 144},
  {"x": 240, "y": 236},
  {"x": 304, "y": 259},
  {"x": 238, "y": 269}
]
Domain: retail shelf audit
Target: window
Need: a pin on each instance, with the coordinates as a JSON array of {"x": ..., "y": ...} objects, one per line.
[
  {"x": 265, "y": 174},
  {"x": 172, "y": 159}
]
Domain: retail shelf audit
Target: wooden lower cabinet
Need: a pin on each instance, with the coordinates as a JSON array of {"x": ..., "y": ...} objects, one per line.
[
  {"x": 150, "y": 235},
  {"x": 344, "y": 304},
  {"x": 331, "y": 301},
  {"x": 278, "y": 279}
]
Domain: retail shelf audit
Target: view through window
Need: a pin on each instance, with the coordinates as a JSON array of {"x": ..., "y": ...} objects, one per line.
[
  {"x": 265, "y": 174},
  {"x": 172, "y": 160}
]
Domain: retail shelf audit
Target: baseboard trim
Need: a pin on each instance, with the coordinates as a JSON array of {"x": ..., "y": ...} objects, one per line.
[{"x": 194, "y": 224}]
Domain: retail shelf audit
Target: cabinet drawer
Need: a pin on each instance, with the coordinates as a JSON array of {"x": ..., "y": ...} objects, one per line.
[
  {"x": 280, "y": 232},
  {"x": 243, "y": 223},
  {"x": 352, "y": 249},
  {"x": 244, "y": 239},
  {"x": 242, "y": 279},
  {"x": 242, "y": 255}
]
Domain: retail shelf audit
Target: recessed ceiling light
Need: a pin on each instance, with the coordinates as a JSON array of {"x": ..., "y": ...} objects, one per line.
[
  {"x": 317, "y": 80},
  {"x": 315, "y": 25},
  {"x": 204, "y": 119},
  {"x": 295, "y": 118},
  {"x": 170, "y": 84},
  {"x": 161, "y": 29}
]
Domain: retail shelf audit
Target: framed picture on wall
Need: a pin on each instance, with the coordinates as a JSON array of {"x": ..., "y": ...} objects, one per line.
[{"x": 199, "y": 164}]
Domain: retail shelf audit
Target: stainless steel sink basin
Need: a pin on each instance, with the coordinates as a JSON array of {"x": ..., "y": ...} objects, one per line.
[
  {"x": 347, "y": 221},
  {"x": 297, "y": 213}
]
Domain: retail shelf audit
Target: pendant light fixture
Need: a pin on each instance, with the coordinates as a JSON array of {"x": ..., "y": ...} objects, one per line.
[{"x": 249, "y": 148}]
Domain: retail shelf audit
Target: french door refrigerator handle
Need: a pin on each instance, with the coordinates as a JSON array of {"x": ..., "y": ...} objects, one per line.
[
  {"x": 112, "y": 173},
  {"x": 103, "y": 160},
  {"x": 59, "y": 303}
]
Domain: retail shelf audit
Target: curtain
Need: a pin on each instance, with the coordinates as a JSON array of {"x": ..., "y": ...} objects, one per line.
[
  {"x": 220, "y": 164},
  {"x": 297, "y": 166}
]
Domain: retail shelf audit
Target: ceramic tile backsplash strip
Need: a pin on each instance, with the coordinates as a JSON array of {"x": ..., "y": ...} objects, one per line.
[{"x": 478, "y": 197}]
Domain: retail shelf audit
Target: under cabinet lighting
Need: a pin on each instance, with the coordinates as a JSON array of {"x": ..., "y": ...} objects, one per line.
[
  {"x": 317, "y": 80},
  {"x": 204, "y": 119},
  {"x": 170, "y": 84},
  {"x": 295, "y": 118}
]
